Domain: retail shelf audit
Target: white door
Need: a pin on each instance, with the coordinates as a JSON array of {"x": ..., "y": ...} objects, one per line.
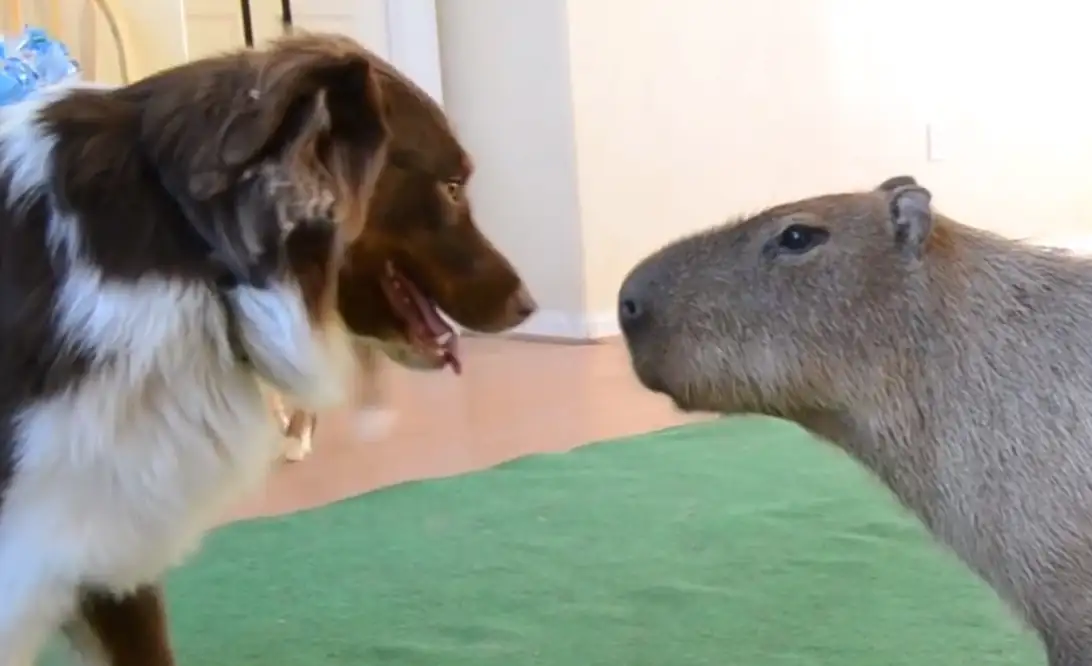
[
  {"x": 213, "y": 26},
  {"x": 402, "y": 31}
]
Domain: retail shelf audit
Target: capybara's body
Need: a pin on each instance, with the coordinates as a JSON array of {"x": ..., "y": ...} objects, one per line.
[{"x": 953, "y": 363}]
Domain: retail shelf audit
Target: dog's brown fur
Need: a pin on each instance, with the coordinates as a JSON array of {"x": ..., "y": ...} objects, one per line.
[
  {"x": 953, "y": 363},
  {"x": 420, "y": 218}
]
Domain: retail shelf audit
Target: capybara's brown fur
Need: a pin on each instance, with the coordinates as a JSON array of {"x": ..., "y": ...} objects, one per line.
[{"x": 953, "y": 363}]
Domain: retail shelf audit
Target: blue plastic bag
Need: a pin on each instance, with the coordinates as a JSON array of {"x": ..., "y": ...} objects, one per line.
[
  {"x": 48, "y": 58},
  {"x": 31, "y": 61}
]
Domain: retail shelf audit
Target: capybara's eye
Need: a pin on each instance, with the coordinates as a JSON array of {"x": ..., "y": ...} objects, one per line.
[{"x": 799, "y": 238}]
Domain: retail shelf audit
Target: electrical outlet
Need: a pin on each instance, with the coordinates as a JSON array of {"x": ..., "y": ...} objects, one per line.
[{"x": 936, "y": 143}]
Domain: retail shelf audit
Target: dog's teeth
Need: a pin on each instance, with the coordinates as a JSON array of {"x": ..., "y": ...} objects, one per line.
[{"x": 444, "y": 338}]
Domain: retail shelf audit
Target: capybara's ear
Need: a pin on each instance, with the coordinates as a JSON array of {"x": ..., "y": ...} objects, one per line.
[
  {"x": 911, "y": 212},
  {"x": 890, "y": 184}
]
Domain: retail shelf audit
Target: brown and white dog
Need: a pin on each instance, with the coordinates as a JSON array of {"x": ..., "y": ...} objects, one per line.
[
  {"x": 421, "y": 254},
  {"x": 168, "y": 250}
]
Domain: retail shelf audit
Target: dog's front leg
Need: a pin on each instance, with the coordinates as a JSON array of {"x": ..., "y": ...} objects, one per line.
[
  {"x": 122, "y": 630},
  {"x": 26, "y": 624},
  {"x": 33, "y": 603},
  {"x": 299, "y": 430}
]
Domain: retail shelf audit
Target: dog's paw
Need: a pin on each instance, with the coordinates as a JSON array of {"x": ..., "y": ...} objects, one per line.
[
  {"x": 297, "y": 448},
  {"x": 283, "y": 417},
  {"x": 371, "y": 424}
]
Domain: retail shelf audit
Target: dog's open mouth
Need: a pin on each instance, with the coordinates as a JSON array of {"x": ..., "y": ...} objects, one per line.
[{"x": 428, "y": 331}]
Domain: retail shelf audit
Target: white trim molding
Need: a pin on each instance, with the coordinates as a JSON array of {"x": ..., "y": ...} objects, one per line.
[
  {"x": 413, "y": 43},
  {"x": 413, "y": 46}
]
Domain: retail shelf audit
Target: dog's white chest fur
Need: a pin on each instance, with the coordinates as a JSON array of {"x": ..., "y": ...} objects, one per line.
[
  {"x": 119, "y": 476},
  {"x": 119, "y": 484}
]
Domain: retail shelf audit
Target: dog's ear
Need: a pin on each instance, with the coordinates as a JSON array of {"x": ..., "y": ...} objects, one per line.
[
  {"x": 244, "y": 219},
  {"x": 303, "y": 104},
  {"x": 301, "y": 94},
  {"x": 240, "y": 229}
]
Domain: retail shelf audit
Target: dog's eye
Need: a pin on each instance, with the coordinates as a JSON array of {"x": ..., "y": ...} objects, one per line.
[
  {"x": 799, "y": 238},
  {"x": 454, "y": 189}
]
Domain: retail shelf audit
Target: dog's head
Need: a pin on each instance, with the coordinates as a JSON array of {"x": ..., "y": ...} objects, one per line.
[
  {"x": 272, "y": 156},
  {"x": 422, "y": 253}
]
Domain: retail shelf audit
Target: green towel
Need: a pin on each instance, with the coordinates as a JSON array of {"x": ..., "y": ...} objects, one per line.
[{"x": 742, "y": 542}]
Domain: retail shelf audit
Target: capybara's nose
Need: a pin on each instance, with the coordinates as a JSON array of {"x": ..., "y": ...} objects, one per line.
[{"x": 632, "y": 306}]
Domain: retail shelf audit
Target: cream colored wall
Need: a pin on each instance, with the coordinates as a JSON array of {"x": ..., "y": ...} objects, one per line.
[
  {"x": 84, "y": 29},
  {"x": 155, "y": 35},
  {"x": 605, "y": 128}
]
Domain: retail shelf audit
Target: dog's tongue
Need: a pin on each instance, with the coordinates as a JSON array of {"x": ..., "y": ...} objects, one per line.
[
  {"x": 434, "y": 324},
  {"x": 433, "y": 328},
  {"x": 436, "y": 328}
]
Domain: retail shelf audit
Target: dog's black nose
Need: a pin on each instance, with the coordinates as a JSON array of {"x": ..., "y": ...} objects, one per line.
[{"x": 632, "y": 308}]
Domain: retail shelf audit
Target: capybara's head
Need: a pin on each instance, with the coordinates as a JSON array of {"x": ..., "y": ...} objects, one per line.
[
  {"x": 795, "y": 310},
  {"x": 421, "y": 253}
]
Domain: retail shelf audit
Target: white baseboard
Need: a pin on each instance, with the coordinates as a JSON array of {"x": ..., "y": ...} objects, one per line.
[
  {"x": 1078, "y": 243},
  {"x": 603, "y": 324},
  {"x": 568, "y": 326}
]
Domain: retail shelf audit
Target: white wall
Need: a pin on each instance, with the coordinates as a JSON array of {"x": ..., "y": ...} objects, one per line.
[{"x": 605, "y": 128}]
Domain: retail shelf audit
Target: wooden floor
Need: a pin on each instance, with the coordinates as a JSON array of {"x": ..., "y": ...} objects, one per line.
[{"x": 514, "y": 398}]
